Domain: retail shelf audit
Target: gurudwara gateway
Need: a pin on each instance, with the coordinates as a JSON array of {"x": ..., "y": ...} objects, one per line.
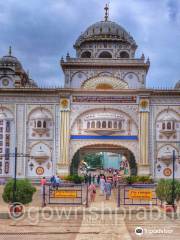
[{"x": 104, "y": 106}]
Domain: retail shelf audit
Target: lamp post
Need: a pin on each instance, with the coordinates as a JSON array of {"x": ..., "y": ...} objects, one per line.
[
  {"x": 173, "y": 180},
  {"x": 15, "y": 155}
]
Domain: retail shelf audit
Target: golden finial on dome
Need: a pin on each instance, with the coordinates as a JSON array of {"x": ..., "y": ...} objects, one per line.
[{"x": 106, "y": 12}]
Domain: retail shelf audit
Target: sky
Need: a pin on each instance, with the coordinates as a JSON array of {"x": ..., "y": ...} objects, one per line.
[{"x": 42, "y": 31}]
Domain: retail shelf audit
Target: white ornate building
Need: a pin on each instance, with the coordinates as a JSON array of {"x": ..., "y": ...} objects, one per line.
[{"x": 104, "y": 106}]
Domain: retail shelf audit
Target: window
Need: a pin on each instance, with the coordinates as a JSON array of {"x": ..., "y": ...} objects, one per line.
[
  {"x": 169, "y": 125},
  {"x": 115, "y": 124},
  {"x": 6, "y": 169},
  {"x": 7, "y": 126},
  {"x": 124, "y": 54},
  {"x": 109, "y": 124},
  {"x": 105, "y": 54},
  {"x": 120, "y": 125},
  {"x": 1, "y": 136},
  {"x": 44, "y": 124},
  {"x": 1, "y": 122},
  {"x": 86, "y": 54},
  {"x": 103, "y": 124},
  {"x": 7, "y": 154},
  {"x": 39, "y": 124},
  {"x": 163, "y": 126},
  {"x": 1, "y": 129},
  {"x": 0, "y": 167},
  {"x": 93, "y": 124},
  {"x": 88, "y": 125},
  {"x": 98, "y": 125}
]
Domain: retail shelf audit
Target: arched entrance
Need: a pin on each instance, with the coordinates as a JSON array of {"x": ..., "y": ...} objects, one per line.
[{"x": 97, "y": 148}]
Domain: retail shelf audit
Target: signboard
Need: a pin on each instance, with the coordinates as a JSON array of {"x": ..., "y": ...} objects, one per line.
[
  {"x": 104, "y": 99},
  {"x": 140, "y": 194},
  {"x": 65, "y": 194}
]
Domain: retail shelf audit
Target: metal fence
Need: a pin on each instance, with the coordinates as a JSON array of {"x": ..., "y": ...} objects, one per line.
[
  {"x": 66, "y": 194},
  {"x": 136, "y": 194}
]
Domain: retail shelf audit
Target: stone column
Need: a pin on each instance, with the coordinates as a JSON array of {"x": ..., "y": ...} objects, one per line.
[
  {"x": 63, "y": 163},
  {"x": 143, "y": 165}
]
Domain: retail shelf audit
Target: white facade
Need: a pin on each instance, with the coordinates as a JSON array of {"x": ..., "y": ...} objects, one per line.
[{"x": 105, "y": 104}]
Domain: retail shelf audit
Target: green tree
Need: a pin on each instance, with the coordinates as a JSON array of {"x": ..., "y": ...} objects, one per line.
[
  {"x": 24, "y": 191},
  {"x": 94, "y": 160}
]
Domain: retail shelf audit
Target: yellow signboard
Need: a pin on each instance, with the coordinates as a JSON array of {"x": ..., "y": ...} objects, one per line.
[
  {"x": 65, "y": 194},
  {"x": 140, "y": 194}
]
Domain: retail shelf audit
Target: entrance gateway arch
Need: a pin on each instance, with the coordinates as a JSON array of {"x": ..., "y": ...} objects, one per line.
[
  {"x": 100, "y": 129},
  {"x": 104, "y": 147}
]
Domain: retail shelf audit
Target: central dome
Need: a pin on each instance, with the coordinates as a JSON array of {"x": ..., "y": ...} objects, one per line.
[{"x": 105, "y": 30}]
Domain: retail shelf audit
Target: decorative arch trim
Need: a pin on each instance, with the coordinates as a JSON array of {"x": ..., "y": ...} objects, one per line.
[{"x": 116, "y": 83}]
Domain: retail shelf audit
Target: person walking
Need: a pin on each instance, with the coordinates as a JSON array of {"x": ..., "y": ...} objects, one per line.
[
  {"x": 89, "y": 179},
  {"x": 102, "y": 185},
  {"x": 92, "y": 192},
  {"x": 98, "y": 179},
  {"x": 43, "y": 190},
  {"x": 53, "y": 181},
  {"x": 107, "y": 188}
]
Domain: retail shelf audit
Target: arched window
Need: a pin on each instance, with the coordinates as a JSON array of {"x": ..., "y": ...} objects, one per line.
[
  {"x": 109, "y": 124},
  {"x": 93, "y": 124},
  {"x": 173, "y": 125},
  {"x": 86, "y": 54},
  {"x": 44, "y": 124},
  {"x": 115, "y": 124},
  {"x": 120, "y": 125},
  {"x": 124, "y": 54},
  {"x": 103, "y": 124},
  {"x": 163, "y": 126},
  {"x": 105, "y": 54},
  {"x": 169, "y": 125},
  {"x": 88, "y": 124},
  {"x": 39, "y": 124},
  {"x": 98, "y": 124}
]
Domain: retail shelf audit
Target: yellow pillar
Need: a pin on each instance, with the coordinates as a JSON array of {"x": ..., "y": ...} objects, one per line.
[
  {"x": 63, "y": 163},
  {"x": 143, "y": 166}
]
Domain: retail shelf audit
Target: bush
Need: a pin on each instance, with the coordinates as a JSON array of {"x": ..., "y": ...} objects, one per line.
[
  {"x": 164, "y": 191},
  {"x": 74, "y": 178},
  {"x": 24, "y": 191},
  {"x": 138, "y": 179}
]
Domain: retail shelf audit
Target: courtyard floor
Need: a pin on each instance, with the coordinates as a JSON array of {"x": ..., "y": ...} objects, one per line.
[{"x": 88, "y": 225}]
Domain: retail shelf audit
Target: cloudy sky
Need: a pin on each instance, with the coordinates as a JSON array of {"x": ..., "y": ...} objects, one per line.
[{"x": 41, "y": 31}]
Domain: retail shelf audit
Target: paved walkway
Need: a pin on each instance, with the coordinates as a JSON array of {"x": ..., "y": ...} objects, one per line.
[{"x": 89, "y": 225}]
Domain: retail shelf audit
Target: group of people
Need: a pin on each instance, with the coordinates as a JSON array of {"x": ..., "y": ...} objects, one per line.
[
  {"x": 105, "y": 184},
  {"x": 55, "y": 181}
]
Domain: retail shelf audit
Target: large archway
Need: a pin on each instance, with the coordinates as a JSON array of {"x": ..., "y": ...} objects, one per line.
[{"x": 97, "y": 148}]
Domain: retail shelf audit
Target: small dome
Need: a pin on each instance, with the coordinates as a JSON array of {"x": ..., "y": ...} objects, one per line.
[
  {"x": 40, "y": 115},
  {"x": 169, "y": 117},
  {"x": 105, "y": 30},
  {"x": 10, "y": 60},
  {"x": 177, "y": 86},
  {"x": 2, "y": 115}
]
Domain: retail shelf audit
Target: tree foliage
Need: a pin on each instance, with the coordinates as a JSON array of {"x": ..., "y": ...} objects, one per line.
[
  {"x": 24, "y": 191},
  {"x": 94, "y": 160}
]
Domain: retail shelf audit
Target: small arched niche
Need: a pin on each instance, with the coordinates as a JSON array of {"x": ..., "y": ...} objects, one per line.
[
  {"x": 86, "y": 54},
  {"x": 105, "y": 54},
  {"x": 124, "y": 54}
]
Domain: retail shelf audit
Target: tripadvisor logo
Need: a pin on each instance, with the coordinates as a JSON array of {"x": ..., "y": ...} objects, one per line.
[{"x": 139, "y": 231}]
